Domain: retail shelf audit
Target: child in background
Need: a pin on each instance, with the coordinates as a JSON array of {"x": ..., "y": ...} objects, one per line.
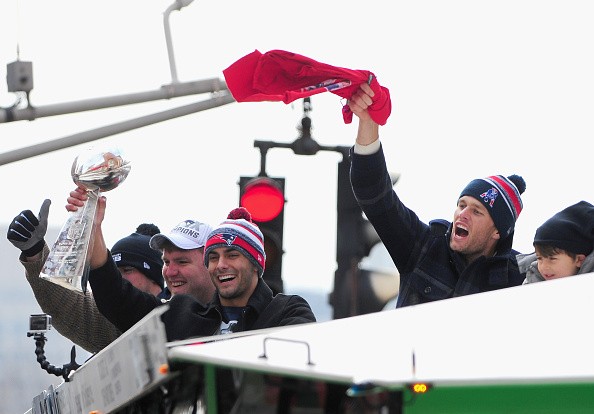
[{"x": 563, "y": 245}]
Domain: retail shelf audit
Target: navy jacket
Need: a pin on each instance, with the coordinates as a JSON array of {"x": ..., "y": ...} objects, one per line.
[{"x": 429, "y": 269}]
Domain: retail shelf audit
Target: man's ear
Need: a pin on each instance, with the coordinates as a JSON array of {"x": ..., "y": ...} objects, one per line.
[
  {"x": 579, "y": 259},
  {"x": 496, "y": 235}
]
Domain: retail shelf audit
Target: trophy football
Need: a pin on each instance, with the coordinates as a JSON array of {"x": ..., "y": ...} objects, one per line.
[{"x": 69, "y": 261}]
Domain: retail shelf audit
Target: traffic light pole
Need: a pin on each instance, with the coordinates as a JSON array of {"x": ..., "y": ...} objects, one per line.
[
  {"x": 303, "y": 145},
  {"x": 348, "y": 216},
  {"x": 273, "y": 227},
  {"x": 351, "y": 244},
  {"x": 352, "y": 293}
]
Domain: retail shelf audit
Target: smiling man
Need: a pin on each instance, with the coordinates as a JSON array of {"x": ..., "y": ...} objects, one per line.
[
  {"x": 234, "y": 254},
  {"x": 438, "y": 260},
  {"x": 182, "y": 251},
  {"x": 235, "y": 257}
]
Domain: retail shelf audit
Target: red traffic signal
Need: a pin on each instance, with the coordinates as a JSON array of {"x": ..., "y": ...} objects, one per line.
[{"x": 263, "y": 198}]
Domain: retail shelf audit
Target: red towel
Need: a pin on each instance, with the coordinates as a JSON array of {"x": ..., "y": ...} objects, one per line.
[{"x": 278, "y": 75}]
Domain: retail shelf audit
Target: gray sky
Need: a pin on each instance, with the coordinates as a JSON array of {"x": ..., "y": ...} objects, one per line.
[{"x": 478, "y": 88}]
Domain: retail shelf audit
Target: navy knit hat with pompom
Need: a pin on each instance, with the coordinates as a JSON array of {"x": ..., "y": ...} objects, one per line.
[
  {"x": 240, "y": 233},
  {"x": 501, "y": 196}
]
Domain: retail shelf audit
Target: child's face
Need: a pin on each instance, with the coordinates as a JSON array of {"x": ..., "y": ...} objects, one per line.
[{"x": 558, "y": 265}]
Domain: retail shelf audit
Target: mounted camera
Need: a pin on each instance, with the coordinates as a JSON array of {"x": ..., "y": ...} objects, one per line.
[{"x": 40, "y": 323}]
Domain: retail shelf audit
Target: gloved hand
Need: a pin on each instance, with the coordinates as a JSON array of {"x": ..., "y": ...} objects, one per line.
[{"x": 26, "y": 231}]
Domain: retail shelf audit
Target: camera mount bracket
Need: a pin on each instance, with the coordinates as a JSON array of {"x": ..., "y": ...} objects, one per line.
[{"x": 66, "y": 369}]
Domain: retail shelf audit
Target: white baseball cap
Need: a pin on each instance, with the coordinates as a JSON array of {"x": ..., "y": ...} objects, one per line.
[{"x": 187, "y": 235}]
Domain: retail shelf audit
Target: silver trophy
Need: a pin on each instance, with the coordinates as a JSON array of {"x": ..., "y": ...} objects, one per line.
[{"x": 68, "y": 261}]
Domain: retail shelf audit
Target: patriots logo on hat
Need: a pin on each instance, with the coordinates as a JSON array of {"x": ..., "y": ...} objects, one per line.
[
  {"x": 226, "y": 237},
  {"x": 489, "y": 196}
]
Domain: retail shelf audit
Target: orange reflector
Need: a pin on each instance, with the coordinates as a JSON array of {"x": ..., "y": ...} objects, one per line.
[
  {"x": 164, "y": 369},
  {"x": 420, "y": 387}
]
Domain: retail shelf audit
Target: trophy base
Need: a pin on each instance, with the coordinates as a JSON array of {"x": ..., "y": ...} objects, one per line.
[
  {"x": 76, "y": 283},
  {"x": 68, "y": 261}
]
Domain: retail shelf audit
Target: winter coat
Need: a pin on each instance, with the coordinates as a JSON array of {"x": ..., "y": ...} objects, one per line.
[
  {"x": 429, "y": 269},
  {"x": 186, "y": 318},
  {"x": 529, "y": 266}
]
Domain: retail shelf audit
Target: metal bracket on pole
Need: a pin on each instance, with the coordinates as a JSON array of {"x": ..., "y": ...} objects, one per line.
[{"x": 176, "y": 5}]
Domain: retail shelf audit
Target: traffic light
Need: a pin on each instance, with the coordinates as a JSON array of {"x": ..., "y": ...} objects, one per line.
[
  {"x": 264, "y": 198},
  {"x": 355, "y": 236},
  {"x": 354, "y": 288}
]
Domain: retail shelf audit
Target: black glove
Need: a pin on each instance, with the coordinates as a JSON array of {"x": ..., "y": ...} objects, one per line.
[{"x": 26, "y": 231}]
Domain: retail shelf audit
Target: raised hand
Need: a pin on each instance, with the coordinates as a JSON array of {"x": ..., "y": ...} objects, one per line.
[{"x": 27, "y": 232}]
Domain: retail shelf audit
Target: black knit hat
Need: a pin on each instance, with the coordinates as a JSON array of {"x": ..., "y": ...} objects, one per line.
[
  {"x": 135, "y": 251},
  {"x": 501, "y": 197},
  {"x": 571, "y": 229}
]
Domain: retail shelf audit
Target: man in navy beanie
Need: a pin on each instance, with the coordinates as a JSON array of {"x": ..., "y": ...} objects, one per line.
[
  {"x": 438, "y": 260},
  {"x": 140, "y": 264}
]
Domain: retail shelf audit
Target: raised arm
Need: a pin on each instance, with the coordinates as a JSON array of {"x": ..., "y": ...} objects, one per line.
[
  {"x": 74, "y": 315},
  {"x": 99, "y": 254},
  {"x": 116, "y": 298},
  {"x": 368, "y": 131}
]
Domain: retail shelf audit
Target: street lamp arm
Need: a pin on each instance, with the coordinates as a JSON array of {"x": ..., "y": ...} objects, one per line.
[
  {"x": 165, "y": 92},
  {"x": 220, "y": 99}
]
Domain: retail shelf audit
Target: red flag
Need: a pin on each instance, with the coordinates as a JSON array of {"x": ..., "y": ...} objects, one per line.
[{"x": 284, "y": 76}]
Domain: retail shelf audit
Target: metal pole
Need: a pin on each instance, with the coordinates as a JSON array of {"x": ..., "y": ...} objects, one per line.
[
  {"x": 165, "y": 92},
  {"x": 105, "y": 131},
  {"x": 172, "y": 66},
  {"x": 176, "y": 5}
]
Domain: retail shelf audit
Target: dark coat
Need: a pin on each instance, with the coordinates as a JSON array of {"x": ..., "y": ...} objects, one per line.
[
  {"x": 124, "y": 305},
  {"x": 429, "y": 269}
]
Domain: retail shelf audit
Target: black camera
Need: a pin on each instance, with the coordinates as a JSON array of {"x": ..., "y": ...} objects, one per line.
[{"x": 40, "y": 323}]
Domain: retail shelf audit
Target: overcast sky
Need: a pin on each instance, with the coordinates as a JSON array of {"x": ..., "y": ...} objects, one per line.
[{"x": 478, "y": 88}]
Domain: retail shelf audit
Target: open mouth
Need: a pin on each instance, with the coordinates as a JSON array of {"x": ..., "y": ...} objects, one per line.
[
  {"x": 226, "y": 278},
  {"x": 461, "y": 231}
]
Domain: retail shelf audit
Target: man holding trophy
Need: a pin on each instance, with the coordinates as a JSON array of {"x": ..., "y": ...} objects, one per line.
[
  {"x": 239, "y": 284},
  {"x": 235, "y": 258},
  {"x": 137, "y": 257},
  {"x": 75, "y": 314},
  {"x": 59, "y": 291}
]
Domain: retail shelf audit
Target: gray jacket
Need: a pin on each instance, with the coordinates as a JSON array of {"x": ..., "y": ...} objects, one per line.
[
  {"x": 74, "y": 314},
  {"x": 527, "y": 264}
]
